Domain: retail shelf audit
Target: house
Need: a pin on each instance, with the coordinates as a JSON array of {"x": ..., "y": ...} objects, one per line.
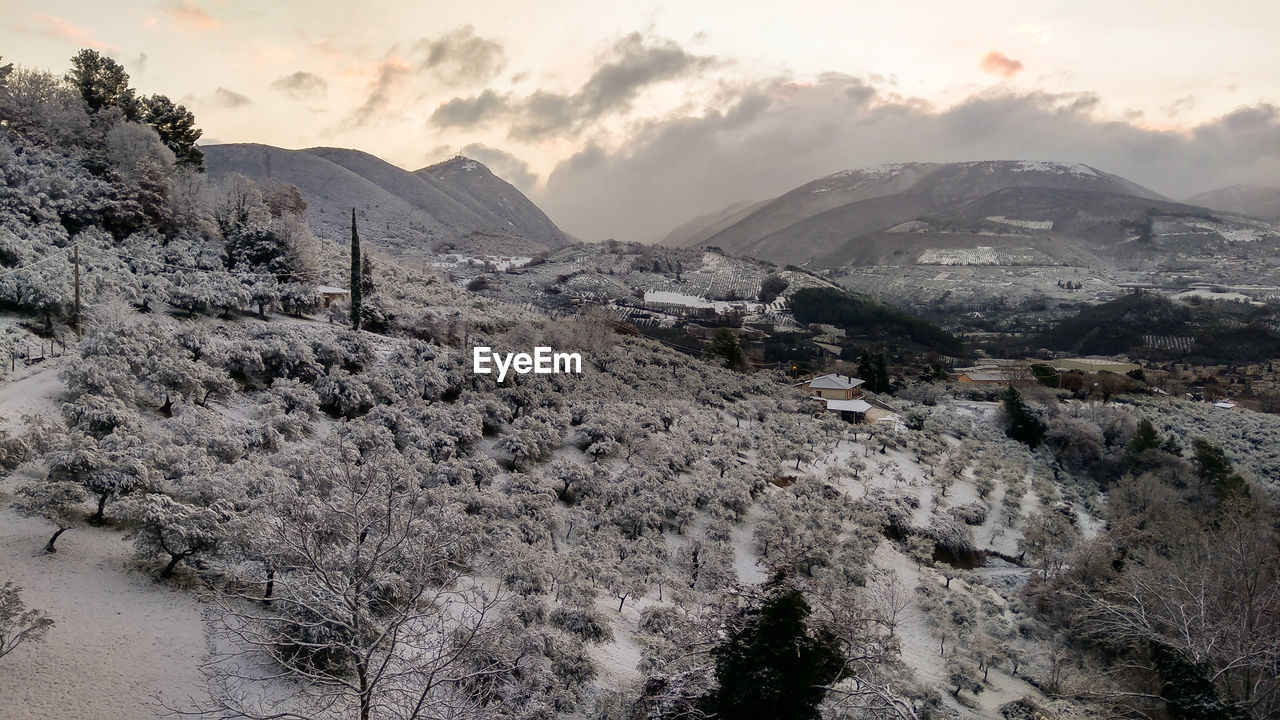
[
  {"x": 1225, "y": 405},
  {"x": 985, "y": 376},
  {"x": 849, "y": 410},
  {"x": 833, "y": 387},
  {"x": 329, "y": 294}
]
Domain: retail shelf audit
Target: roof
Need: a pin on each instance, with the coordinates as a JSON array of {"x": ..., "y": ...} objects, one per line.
[
  {"x": 1225, "y": 405},
  {"x": 858, "y": 406},
  {"x": 987, "y": 376},
  {"x": 331, "y": 290},
  {"x": 834, "y": 382}
]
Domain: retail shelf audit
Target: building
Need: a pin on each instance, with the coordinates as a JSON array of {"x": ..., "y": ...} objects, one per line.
[
  {"x": 849, "y": 410},
  {"x": 330, "y": 294},
  {"x": 833, "y": 387},
  {"x": 987, "y": 376}
]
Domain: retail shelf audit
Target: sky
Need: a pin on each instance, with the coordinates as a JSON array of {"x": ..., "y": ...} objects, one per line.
[{"x": 625, "y": 119}]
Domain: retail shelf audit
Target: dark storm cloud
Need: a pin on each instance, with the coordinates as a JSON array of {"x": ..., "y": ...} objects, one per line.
[
  {"x": 503, "y": 164},
  {"x": 301, "y": 85},
  {"x": 461, "y": 56},
  {"x": 631, "y": 65},
  {"x": 773, "y": 136}
]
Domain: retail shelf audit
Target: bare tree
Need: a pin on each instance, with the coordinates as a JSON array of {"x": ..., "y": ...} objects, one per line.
[
  {"x": 1206, "y": 599},
  {"x": 369, "y": 614}
]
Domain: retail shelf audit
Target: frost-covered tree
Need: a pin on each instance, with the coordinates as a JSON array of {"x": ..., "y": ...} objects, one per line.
[
  {"x": 19, "y": 624},
  {"x": 174, "y": 529},
  {"x": 176, "y": 127},
  {"x": 56, "y": 501},
  {"x": 102, "y": 83},
  {"x": 369, "y": 612}
]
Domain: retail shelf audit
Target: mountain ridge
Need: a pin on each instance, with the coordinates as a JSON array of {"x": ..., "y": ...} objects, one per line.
[{"x": 409, "y": 212}]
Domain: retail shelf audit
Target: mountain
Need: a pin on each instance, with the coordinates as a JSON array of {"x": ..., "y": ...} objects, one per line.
[
  {"x": 702, "y": 227},
  {"x": 824, "y": 221},
  {"x": 422, "y": 212},
  {"x": 475, "y": 186},
  {"x": 1256, "y": 200}
]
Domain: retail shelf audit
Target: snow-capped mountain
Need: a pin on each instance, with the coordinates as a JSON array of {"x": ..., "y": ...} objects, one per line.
[
  {"x": 417, "y": 212},
  {"x": 831, "y": 220}
]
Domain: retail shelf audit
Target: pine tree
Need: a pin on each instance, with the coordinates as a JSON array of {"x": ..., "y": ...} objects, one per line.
[
  {"x": 357, "y": 286},
  {"x": 1024, "y": 426},
  {"x": 874, "y": 369},
  {"x": 176, "y": 127},
  {"x": 725, "y": 344},
  {"x": 1144, "y": 438},
  {"x": 774, "y": 667},
  {"x": 102, "y": 83}
]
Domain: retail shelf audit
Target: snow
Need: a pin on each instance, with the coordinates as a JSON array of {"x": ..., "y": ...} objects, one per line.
[
  {"x": 1053, "y": 167},
  {"x": 34, "y": 394},
  {"x": 1029, "y": 224},
  {"x": 744, "y": 557},
  {"x": 119, "y": 638},
  {"x": 667, "y": 297},
  {"x": 1205, "y": 294}
]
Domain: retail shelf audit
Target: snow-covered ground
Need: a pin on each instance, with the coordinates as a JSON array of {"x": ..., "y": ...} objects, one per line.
[{"x": 120, "y": 639}]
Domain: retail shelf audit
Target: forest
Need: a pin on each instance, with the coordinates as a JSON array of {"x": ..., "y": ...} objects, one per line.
[{"x": 371, "y": 530}]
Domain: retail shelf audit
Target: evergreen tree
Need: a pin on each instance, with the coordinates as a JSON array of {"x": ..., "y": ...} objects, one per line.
[
  {"x": 874, "y": 370},
  {"x": 774, "y": 668},
  {"x": 1144, "y": 438},
  {"x": 1187, "y": 691},
  {"x": 102, "y": 83},
  {"x": 1024, "y": 426},
  {"x": 725, "y": 344},
  {"x": 1215, "y": 468},
  {"x": 356, "y": 285},
  {"x": 176, "y": 127}
]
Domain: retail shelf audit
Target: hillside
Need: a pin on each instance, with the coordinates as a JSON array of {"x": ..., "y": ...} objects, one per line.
[
  {"x": 865, "y": 318},
  {"x": 1159, "y": 327},
  {"x": 1255, "y": 200},
  {"x": 816, "y": 218},
  {"x": 398, "y": 209},
  {"x": 498, "y": 201}
]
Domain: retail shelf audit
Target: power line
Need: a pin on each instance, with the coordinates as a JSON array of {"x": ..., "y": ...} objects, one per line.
[{"x": 41, "y": 261}]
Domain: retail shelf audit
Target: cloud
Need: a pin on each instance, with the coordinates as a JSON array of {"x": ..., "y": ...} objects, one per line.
[
  {"x": 231, "y": 99},
  {"x": 301, "y": 85},
  {"x": 1000, "y": 64},
  {"x": 766, "y": 138},
  {"x": 504, "y": 165},
  {"x": 190, "y": 16},
  {"x": 631, "y": 65},
  {"x": 55, "y": 26},
  {"x": 458, "y": 57},
  {"x": 470, "y": 112},
  {"x": 461, "y": 56},
  {"x": 390, "y": 75}
]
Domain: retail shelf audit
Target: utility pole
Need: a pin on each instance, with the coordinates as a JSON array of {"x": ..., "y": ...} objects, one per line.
[{"x": 76, "y": 249}]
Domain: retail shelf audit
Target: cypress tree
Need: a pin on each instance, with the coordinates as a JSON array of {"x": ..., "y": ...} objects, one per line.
[{"x": 356, "y": 285}]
